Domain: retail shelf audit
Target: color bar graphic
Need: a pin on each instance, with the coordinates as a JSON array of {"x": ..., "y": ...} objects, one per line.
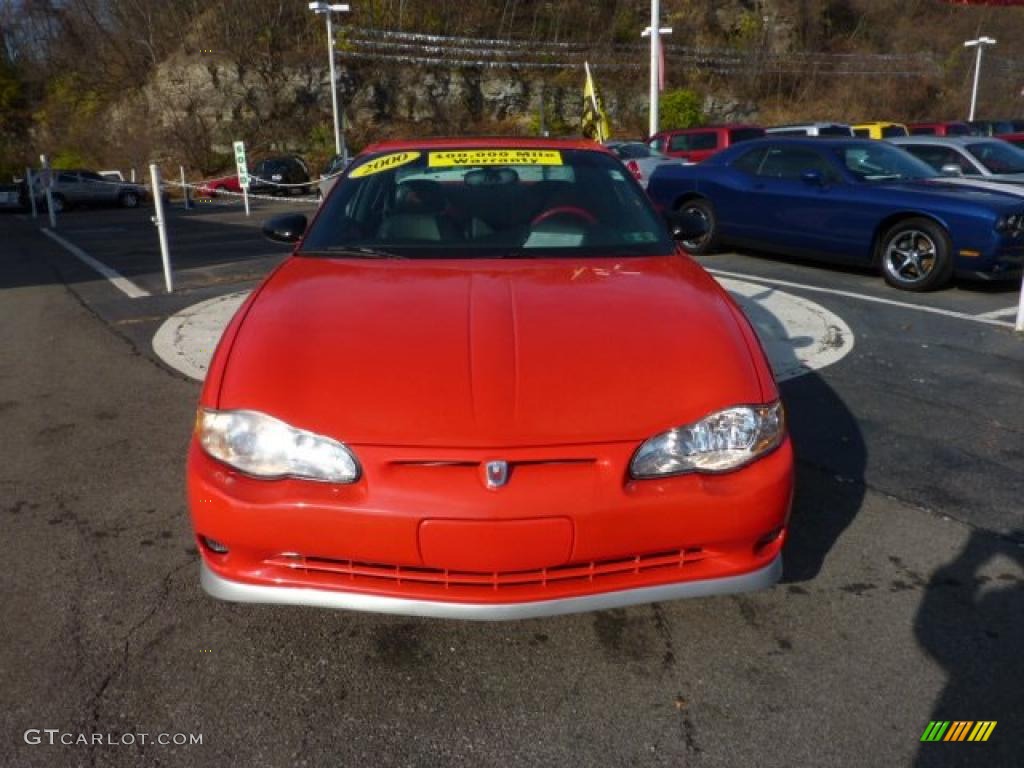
[
  {"x": 982, "y": 730},
  {"x": 958, "y": 730},
  {"x": 935, "y": 730}
]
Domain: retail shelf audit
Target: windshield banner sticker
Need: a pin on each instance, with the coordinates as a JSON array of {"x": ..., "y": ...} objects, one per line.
[
  {"x": 383, "y": 163},
  {"x": 453, "y": 158}
]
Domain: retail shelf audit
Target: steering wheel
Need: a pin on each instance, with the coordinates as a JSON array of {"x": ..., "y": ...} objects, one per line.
[{"x": 567, "y": 210}]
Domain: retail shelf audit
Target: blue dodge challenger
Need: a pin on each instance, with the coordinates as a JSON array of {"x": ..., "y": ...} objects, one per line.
[{"x": 848, "y": 201}]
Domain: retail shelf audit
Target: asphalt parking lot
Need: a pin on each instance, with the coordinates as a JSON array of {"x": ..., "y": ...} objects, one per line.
[{"x": 900, "y": 602}]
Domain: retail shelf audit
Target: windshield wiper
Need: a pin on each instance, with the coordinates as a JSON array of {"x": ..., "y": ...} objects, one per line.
[{"x": 354, "y": 250}]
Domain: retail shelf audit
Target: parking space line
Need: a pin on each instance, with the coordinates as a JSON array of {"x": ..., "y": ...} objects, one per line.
[
  {"x": 126, "y": 286},
  {"x": 865, "y": 297},
  {"x": 1007, "y": 312}
]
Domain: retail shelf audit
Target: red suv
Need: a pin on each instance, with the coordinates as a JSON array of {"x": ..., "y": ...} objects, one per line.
[
  {"x": 939, "y": 129},
  {"x": 696, "y": 144}
]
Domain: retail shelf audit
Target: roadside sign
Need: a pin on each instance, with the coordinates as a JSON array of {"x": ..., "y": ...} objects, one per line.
[{"x": 240, "y": 164}]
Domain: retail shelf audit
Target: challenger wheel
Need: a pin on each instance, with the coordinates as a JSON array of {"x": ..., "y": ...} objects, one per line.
[
  {"x": 702, "y": 209},
  {"x": 916, "y": 255}
]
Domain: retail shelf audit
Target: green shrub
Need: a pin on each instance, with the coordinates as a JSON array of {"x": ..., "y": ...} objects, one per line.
[
  {"x": 680, "y": 108},
  {"x": 69, "y": 158}
]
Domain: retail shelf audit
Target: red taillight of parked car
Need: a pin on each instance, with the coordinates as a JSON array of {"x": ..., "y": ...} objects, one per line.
[{"x": 635, "y": 170}]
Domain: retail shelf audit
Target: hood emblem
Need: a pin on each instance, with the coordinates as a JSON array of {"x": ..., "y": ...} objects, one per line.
[{"x": 495, "y": 474}]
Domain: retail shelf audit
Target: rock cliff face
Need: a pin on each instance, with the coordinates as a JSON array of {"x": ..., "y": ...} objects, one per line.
[
  {"x": 199, "y": 104},
  {"x": 217, "y": 101}
]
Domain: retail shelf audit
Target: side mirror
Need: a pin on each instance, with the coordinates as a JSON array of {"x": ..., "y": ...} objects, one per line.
[
  {"x": 812, "y": 177},
  {"x": 952, "y": 169},
  {"x": 686, "y": 225},
  {"x": 287, "y": 228}
]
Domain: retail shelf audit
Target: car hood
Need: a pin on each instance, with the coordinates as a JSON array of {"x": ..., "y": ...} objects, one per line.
[
  {"x": 1004, "y": 185},
  {"x": 952, "y": 189},
  {"x": 496, "y": 353}
]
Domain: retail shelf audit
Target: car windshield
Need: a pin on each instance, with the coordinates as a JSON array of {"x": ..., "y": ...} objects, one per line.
[
  {"x": 882, "y": 162},
  {"x": 888, "y": 131},
  {"x": 487, "y": 203},
  {"x": 998, "y": 156}
]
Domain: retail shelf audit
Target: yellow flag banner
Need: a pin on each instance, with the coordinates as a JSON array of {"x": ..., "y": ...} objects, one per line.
[{"x": 595, "y": 121}]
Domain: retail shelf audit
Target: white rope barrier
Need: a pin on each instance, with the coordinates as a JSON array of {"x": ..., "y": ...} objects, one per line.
[{"x": 229, "y": 193}]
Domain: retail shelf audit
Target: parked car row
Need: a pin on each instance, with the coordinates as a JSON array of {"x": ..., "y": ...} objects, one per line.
[
  {"x": 905, "y": 206},
  {"x": 697, "y": 144},
  {"x": 278, "y": 175}
]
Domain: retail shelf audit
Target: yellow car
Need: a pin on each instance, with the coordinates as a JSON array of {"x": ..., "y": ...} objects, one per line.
[{"x": 879, "y": 130}]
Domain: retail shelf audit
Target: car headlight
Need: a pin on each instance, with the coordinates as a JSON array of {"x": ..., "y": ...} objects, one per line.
[
  {"x": 720, "y": 442},
  {"x": 1011, "y": 224},
  {"x": 263, "y": 446}
]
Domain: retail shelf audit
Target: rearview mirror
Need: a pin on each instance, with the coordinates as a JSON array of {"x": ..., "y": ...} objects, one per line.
[
  {"x": 287, "y": 228},
  {"x": 952, "y": 169},
  {"x": 686, "y": 225}
]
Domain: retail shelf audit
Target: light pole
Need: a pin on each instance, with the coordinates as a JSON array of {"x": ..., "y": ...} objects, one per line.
[
  {"x": 327, "y": 9},
  {"x": 655, "y": 32},
  {"x": 979, "y": 43}
]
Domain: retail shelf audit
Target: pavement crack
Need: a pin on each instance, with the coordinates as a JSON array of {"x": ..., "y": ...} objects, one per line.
[
  {"x": 687, "y": 729},
  {"x": 665, "y": 632},
  {"x": 122, "y": 663}
]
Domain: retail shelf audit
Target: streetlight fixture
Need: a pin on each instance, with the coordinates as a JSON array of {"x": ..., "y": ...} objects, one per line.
[
  {"x": 327, "y": 9},
  {"x": 655, "y": 32},
  {"x": 979, "y": 43}
]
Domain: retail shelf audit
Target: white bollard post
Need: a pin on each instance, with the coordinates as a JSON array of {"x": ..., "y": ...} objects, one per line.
[
  {"x": 184, "y": 187},
  {"x": 1020, "y": 308},
  {"x": 48, "y": 181},
  {"x": 30, "y": 181},
  {"x": 161, "y": 226}
]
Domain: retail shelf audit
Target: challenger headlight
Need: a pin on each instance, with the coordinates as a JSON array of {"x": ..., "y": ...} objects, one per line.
[
  {"x": 263, "y": 446},
  {"x": 1012, "y": 224},
  {"x": 719, "y": 442}
]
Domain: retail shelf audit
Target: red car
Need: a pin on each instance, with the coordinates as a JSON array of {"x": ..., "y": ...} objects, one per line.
[
  {"x": 939, "y": 129},
  {"x": 488, "y": 384},
  {"x": 1017, "y": 139},
  {"x": 225, "y": 184},
  {"x": 696, "y": 144}
]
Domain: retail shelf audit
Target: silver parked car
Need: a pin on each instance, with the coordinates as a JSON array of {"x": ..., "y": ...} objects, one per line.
[
  {"x": 80, "y": 187},
  {"x": 974, "y": 157},
  {"x": 811, "y": 129},
  {"x": 641, "y": 159},
  {"x": 335, "y": 166}
]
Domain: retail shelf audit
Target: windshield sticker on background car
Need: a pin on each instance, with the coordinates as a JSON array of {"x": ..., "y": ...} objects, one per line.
[
  {"x": 383, "y": 163},
  {"x": 448, "y": 159}
]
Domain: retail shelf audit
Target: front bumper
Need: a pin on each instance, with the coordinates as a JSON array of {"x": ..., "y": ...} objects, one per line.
[
  {"x": 425, "y": 537},
  {"x": 225, "y": 589}
]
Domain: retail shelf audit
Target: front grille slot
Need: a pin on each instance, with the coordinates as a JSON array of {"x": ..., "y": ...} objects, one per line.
[{"x": 355, "y": 571}]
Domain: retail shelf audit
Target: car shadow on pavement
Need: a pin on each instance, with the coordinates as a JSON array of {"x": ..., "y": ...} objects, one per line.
[
  {"x": 830, "y": 452},
  {"x": 830, "y": 461},
  {"x": 970, "y": 623}
]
